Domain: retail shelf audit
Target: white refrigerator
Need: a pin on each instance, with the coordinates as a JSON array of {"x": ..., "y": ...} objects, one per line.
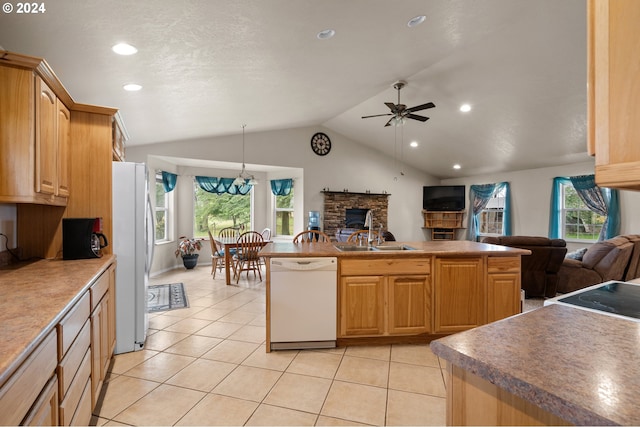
[{"x": 133, "y": 242}]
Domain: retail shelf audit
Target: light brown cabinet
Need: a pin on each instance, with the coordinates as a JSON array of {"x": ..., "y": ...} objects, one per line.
[
  {"x": 458, "y": 294},
  {"x": 34, "y": 144},
  {"x": 503, "y": 287},
  {"x": 384, "y": 297},
  {"x": 29, "y": 382},
  {"x": 613, "y": 101},
  {"x": 45, "y": 411},
  {"x": 102, "y": 330}
]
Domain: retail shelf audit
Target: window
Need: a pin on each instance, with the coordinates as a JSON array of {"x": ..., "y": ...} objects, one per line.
[
  {"x": 491, "y": 218},
  {"x": 161, "y": 210},
  {"x": 217, "y": 211},
  {"x": 284, "y": 214},
  {"x": 578, "y": 221}
]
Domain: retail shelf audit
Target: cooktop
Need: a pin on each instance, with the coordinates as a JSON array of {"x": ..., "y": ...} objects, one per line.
[{"x": 619, "y": 299}]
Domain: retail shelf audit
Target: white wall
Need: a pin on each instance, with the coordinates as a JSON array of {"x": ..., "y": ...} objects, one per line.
[{"x": 531, "y": 198}]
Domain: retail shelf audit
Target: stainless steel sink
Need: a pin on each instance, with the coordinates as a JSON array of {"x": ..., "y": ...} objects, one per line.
[
  {"x": 353, "y": 248},
  {"x": 356, "y": 248},
  {"x": 394, "y": 248}
]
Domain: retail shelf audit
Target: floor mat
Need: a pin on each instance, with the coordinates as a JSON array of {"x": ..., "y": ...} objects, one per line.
[{"x": 166, "y": 297}]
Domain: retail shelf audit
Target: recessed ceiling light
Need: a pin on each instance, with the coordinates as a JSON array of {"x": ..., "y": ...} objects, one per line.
[
  {"x": 457, "y": 166},
  {"x": 124, "y": 49},
  {"x": 414, "y": 22},
  {"x": 326, "y": 34},
  {"x": 132, "y": 87},
  {"x": 413, "y": 144},
  {"x": 465, "y": 108}
]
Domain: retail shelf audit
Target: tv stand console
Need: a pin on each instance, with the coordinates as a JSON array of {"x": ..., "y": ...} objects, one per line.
[{"x": 443, "y": 224}]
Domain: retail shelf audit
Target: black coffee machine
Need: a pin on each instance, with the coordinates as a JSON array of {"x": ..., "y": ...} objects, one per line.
[{"x": 82, "y": 238}]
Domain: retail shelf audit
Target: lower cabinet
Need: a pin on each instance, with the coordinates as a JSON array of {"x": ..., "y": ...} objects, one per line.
[
  {"x": 102, "y": 330},
  {"x": 30, "y": 383},
  {"x": 503, "y": 290},
  {"x": 376, "y": 299},
  {"x": 459, "y": 294},
  {"x": 59, "y": 381},
  {"x": 45, "y": 411}
]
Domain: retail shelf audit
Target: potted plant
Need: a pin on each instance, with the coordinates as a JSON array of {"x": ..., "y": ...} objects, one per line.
[{"x": 187, "y": 249}]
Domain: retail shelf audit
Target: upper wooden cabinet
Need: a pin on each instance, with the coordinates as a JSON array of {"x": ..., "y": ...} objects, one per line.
[
  {"x": 613, "y": 92},
  {"x": 52, "y": 119},
  {"x": 34, "y": 142}
]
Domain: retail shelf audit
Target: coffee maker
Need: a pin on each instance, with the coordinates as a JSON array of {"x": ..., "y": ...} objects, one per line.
[{"x": 82, "y": 238}]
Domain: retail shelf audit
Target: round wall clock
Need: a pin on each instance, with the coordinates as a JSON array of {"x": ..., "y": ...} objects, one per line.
[{"x": 320, "y": 144}]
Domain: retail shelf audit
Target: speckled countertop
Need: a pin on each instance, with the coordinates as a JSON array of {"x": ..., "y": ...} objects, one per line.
[
  {"x": 443, "y": 248},
  {"x": 583, "y": 367},
  {"x": 34, "y": 297}
]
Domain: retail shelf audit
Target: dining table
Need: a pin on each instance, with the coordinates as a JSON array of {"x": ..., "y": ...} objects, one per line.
[{"x": 229, "y": 243}]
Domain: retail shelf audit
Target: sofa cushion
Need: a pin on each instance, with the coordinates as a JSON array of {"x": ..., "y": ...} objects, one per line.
[
  {"x": 595, "y": 253},
  {"x": 578, "y": 254}
]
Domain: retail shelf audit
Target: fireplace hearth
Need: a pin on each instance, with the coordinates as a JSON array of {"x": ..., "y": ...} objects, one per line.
[{"x": 348, "y": 210}]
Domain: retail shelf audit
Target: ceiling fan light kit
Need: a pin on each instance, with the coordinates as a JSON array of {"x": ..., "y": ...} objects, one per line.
[{"x": 400, "y": 112}]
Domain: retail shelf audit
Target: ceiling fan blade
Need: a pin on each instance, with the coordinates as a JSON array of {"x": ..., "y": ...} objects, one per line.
[
  {"x": 421, "y": 107},
  {"x": 377, "y": 115},
  {"x": 416, "y": 117},
  {"x": 391, "y": 106},
  {"x": 389, "y": 122}
]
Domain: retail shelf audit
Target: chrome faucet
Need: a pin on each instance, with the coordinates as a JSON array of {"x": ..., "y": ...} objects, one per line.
[{"x": 368, "y": 220}]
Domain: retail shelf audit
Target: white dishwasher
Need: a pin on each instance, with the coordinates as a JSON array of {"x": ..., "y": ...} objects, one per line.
[{"x": 303, "y": 301}]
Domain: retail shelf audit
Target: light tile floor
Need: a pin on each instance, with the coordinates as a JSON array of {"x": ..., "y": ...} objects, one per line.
[{"x": 207, "y": 365}]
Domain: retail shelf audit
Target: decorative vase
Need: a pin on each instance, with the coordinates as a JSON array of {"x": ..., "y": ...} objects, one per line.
[{"x": 190, "y": 261}]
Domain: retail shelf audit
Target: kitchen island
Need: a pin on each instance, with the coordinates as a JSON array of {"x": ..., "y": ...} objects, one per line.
[
  {"x": 556, "y": 365},
  {"x": 413, "y": 291}
]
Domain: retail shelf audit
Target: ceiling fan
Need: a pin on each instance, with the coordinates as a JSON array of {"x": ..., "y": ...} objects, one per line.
[{"x": 400, "y": 112}]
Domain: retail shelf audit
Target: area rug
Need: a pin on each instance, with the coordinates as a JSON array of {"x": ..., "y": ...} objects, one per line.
[{"x": 166, "y": 297}]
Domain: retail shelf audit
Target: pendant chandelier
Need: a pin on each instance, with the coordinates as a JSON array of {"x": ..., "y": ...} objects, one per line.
[{"x": 244, "y": 178}]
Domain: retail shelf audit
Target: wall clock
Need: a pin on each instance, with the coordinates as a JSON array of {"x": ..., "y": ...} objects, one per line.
[{"x": 320, "y": 144}]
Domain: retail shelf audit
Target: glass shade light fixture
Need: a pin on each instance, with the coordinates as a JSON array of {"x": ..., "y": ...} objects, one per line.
[{"x": 244, "y": 178}]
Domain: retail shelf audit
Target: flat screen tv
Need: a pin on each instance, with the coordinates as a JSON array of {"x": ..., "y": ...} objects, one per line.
[{"x": 443, "y": 198}]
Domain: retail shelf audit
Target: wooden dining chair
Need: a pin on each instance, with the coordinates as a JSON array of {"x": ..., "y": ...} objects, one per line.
[
  {"x": 229, "y": 233},
  {"x": 362, "y": 234},
  {"x": 217, "y": 256},
  {"x": 247, "y": 258},
  {"x": 311, "y": 236}
]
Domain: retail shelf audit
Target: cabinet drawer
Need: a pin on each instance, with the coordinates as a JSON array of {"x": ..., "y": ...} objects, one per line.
[
  {"x": 72, "y": 360},
  {"x": 45, "y": 411},
  {"x": 367, "y": 267},
  {"x": 98, "y": 289},
  {"x": 70, "y": 326},
  {"x": 24, "y": 386},
  {"x": 503, "y": 264},
  {"x": 82, "y": 417},
  {"x": 76, "y": 389}
]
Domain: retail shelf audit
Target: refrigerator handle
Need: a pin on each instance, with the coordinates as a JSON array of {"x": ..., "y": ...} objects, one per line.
[{"x": 150, "y": 235}]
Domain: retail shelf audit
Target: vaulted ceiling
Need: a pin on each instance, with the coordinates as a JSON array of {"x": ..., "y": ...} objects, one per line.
[{"x": 208, "y": 66}]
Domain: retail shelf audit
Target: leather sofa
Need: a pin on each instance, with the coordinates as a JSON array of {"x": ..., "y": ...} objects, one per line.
[
  {"x": 539, "y": 271},
  {"x": 617, "y": 258}
]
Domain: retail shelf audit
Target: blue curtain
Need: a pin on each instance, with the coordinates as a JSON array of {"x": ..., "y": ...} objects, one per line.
[
  {"x": 169, "y": 181},
  {"x": 555, "y": 216},
  {"x": 603, "y": 201},
  {"x": 479, "y": 195},
  {"x": 281, "y": 187},
  {"x": 221, "y": 185}
]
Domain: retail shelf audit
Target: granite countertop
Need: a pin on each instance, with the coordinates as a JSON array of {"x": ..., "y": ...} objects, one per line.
[
  {"x": 448, "y": 248},
  {"x": 33, "y": 298},
  {"x": 583, "y": 367}
]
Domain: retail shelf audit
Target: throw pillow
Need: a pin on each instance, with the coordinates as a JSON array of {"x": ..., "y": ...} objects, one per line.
[{"x": 577, "y": 254}]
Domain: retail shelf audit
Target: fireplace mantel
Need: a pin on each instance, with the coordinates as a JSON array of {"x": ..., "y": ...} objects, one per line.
[{"x": 355, "y": 193}]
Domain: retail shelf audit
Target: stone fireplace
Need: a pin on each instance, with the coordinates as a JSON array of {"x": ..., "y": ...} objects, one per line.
[{"x": 336, "y": 204}]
